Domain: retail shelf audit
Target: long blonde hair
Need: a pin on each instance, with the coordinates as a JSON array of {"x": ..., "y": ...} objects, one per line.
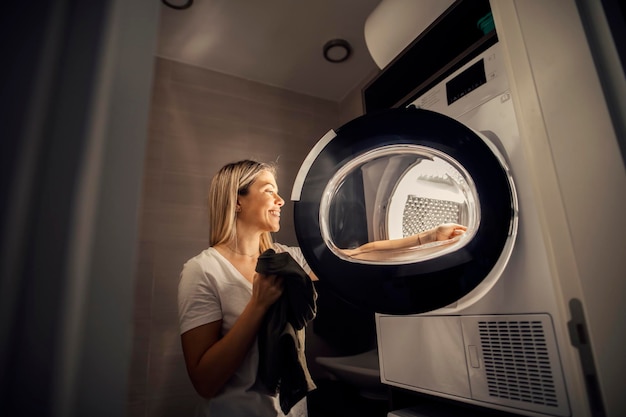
[{"x": 232, "y": 180}]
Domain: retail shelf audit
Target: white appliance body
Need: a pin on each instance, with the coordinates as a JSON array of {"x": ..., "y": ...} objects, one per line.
[{"x": 499, "y": 346}]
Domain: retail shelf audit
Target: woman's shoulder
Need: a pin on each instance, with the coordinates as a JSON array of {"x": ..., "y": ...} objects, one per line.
[
  {"x": 200, "y": 264},
  {"x": 208, "y": 255}
]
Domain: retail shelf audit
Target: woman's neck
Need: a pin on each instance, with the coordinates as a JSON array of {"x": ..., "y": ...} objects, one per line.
[{"x": 244, "y": 247}]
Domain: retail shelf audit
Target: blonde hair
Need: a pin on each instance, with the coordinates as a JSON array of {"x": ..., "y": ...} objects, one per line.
[{"x": 232, "y": 180}]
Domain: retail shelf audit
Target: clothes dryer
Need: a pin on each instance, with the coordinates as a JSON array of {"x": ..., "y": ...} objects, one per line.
[{"x": 475, "y": 318}]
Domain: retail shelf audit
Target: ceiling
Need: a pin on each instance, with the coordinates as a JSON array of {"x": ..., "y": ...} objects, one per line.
[{"x": 274, "y": 42}]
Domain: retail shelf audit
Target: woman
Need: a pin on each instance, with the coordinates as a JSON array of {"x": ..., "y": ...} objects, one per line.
[{"x": 222, "y": 300}]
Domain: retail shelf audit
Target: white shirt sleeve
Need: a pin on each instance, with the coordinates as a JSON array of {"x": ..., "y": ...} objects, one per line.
[{"x": 198, "y": 299}]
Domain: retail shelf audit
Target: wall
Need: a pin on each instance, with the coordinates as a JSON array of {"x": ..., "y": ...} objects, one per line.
[
  {"x": 352, "y": 105},
  {"x": 199, "y": 121}
]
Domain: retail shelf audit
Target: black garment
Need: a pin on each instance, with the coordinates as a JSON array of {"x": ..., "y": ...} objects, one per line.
[{"x": 282, "y": 364}]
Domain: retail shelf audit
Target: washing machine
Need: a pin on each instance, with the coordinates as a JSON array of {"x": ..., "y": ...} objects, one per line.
[{"x": 475, "y": 318}]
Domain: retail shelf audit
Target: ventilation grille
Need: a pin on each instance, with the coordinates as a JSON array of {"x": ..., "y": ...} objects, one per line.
[
  {"x": 517, "y": 361},
  {"x": 422, "y": 214}
]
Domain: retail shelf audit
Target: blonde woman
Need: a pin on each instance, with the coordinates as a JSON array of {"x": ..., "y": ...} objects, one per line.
[{"x": 222, "y": 300}]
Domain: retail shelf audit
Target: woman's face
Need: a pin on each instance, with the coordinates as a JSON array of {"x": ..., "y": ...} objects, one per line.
[{"x": 260, "y": 208}]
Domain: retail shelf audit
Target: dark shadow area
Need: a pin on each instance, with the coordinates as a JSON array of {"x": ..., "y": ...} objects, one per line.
[
  {"x": 336, "y": 399},
  {"x": 428, "y": 405},
  {"x": 347, "y": 328}
]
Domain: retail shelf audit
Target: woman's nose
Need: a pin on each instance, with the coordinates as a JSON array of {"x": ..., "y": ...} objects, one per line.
[{"x": 279, "y": 200}]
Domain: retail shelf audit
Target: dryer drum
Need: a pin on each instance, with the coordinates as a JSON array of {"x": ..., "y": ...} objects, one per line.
[{"x": 336, "y": 211}]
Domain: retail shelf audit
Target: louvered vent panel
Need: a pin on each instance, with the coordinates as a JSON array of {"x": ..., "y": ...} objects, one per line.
[{"x": 517, "y": 362}]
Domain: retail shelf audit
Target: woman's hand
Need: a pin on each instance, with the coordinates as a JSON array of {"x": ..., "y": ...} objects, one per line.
[
  {"x": 211, "y": 358},
  {"x": 266, "y": 289},
  {"x": 448, "y": 231}
]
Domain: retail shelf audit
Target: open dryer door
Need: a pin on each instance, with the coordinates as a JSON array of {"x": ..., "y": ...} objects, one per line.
[{"x": 393, "y": 174}]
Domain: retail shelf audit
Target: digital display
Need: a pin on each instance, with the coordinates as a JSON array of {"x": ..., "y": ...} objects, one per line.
[{"x": 466, "y": 82}]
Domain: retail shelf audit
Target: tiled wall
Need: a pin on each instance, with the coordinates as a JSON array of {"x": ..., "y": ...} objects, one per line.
[{"x": 199, "y": 121}]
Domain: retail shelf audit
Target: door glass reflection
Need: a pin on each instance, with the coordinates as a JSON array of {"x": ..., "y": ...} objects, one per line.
[{"x": 399, "y": 204}]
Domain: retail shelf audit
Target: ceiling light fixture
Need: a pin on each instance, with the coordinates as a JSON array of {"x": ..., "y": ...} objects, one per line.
[
  {"x": 187, "y": 4},
  {"x": 337, "y": 50}
]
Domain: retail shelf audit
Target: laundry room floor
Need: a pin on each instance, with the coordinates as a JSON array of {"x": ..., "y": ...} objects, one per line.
[{"x": 335, "y": 399}]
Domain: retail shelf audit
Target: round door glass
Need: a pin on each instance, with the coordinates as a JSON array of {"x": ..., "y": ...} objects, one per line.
[{"x": 399, "y": 204}]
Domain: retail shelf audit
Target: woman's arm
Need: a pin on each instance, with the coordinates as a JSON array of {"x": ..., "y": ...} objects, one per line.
[
  {"x": 212, "y": 360},
  {"x": 442, "y": 232}
]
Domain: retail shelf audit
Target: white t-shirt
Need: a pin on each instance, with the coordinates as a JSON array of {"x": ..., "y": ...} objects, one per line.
[{"x": 212, "y": 289}]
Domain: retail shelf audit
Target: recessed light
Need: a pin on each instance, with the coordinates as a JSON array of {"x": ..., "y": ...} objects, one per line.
[
  {"x": 174, "y": 5},
  {"x": 337, "y": 50}
]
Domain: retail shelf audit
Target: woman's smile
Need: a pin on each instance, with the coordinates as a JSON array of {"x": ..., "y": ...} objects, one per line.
[{"x": 275, "y": 213}]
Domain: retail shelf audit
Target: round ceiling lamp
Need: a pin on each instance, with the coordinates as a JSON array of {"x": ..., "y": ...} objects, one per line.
[
  {"x": 184, "y": 5},
  {"x": 337, "y": 50}
]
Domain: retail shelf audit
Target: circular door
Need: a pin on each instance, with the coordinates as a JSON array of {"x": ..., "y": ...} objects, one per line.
[{"x": 394, "y": 174}]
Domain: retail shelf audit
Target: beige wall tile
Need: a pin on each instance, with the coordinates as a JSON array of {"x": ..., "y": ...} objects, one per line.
[
  {"x": 182, "y": 222},
  {"x": 165, "y": 340},
  {"x": 203, "y": 156},
  {"x": 158, "y": 119},
  {"x": 186, "y": 190},
  {"x": 150, "y": 189},
  {"x": 167, "y": 375},
  {"x": 249, "y": 90},
  {"x": 148, "y": 223}
]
